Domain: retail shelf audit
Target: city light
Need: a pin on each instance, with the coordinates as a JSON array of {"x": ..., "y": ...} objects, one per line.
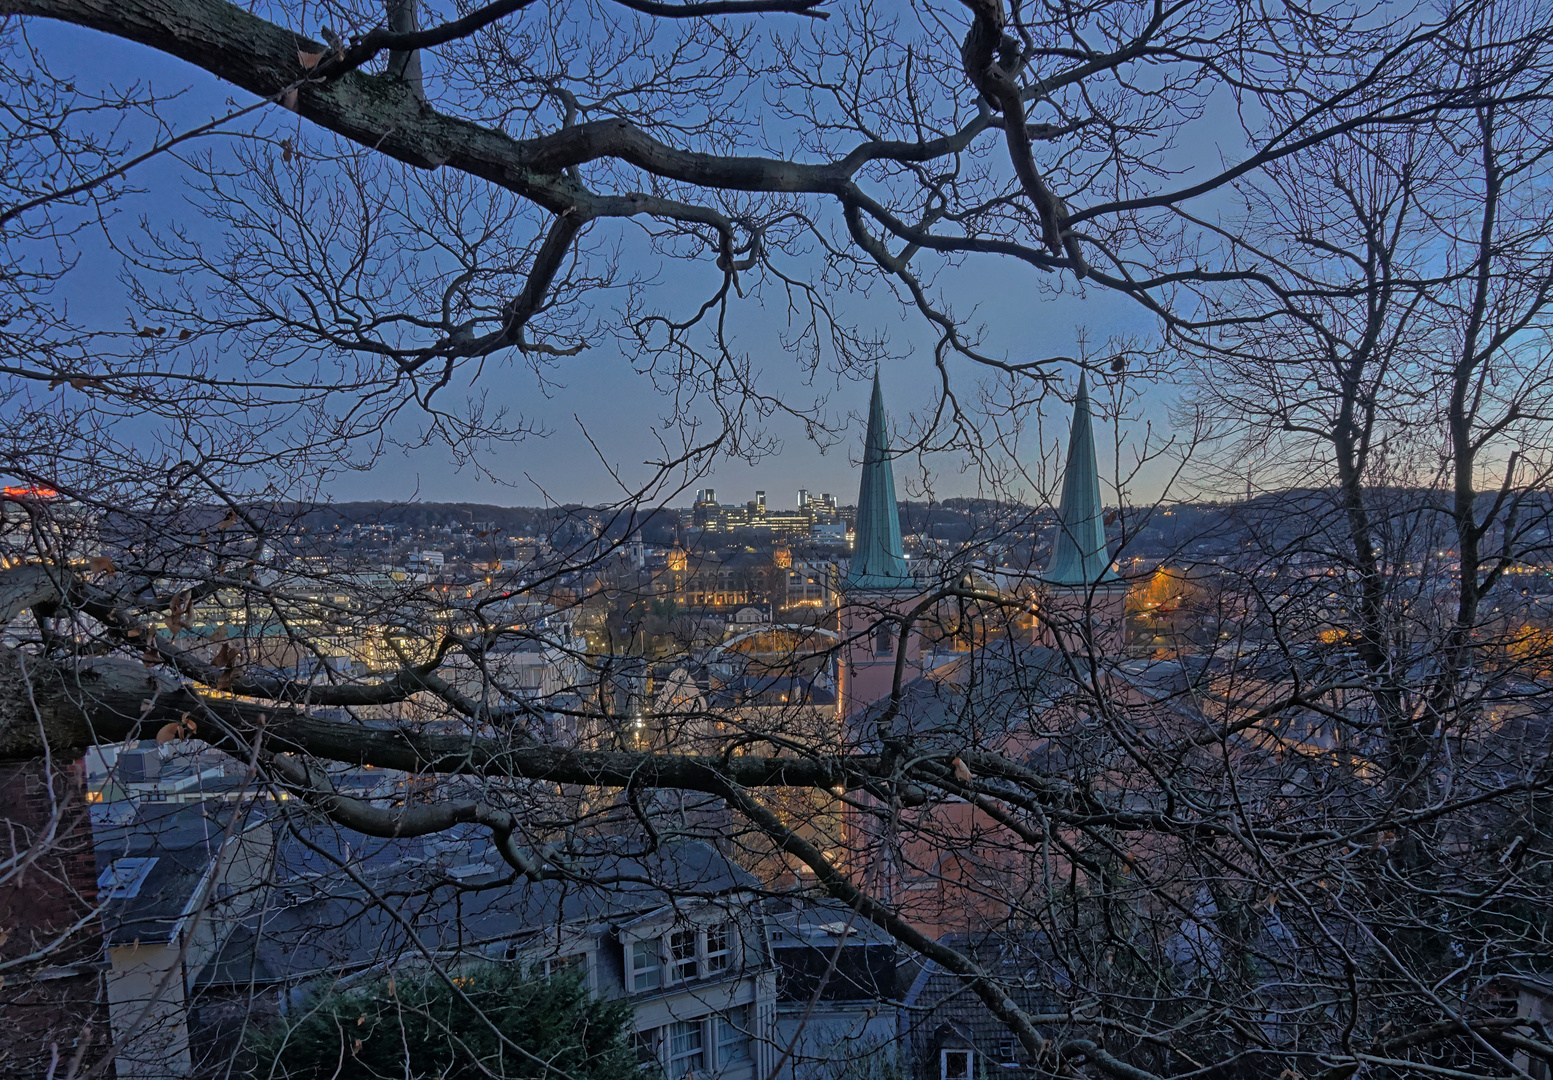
[{"x": 35, "y": 492}]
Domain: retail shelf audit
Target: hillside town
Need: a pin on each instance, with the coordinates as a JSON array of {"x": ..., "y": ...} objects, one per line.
[
  {"x": 217, "y": 901},
  {"x": 776, "y": 540}
]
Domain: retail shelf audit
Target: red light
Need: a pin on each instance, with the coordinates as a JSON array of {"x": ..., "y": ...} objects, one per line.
[{"x": 30, "y": 491}]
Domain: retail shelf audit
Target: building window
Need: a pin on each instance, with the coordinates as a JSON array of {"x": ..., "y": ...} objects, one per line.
[
  {"x": 719, "y": 950},
  {"x": 884, "y": 641},
  {"x": 1008, "y": 1053},
  {"x": 646, "y": 967},
  {"x": 955, "y": 1064},
  {"x": 733, "y": 1036},
  {"x": 576, "y": 964},
  {"x": 645, "y": 1045},
  {"x": 682, "y": 955},
  {"x": 687, "y": 1047}
]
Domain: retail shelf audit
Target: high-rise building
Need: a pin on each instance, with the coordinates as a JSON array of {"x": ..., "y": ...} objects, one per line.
[{"x": 757, "y": 516}]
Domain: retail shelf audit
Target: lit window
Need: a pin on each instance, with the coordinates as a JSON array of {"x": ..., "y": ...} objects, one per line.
[
  {"x": 718, "y": 949},
  {"x": 687, "y": 1047},
  {"x": 646, "y": 968},
  {"x": 955, "y": 1064},
  {"x": 682, "y": 955},
  {"x": 733, "y": 1036}
]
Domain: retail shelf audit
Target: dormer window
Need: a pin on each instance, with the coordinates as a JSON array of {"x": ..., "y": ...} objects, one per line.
[
  {"x": 646, "y": 965},
  {"x": 682, "y": 955},
  {"x": 955, "y": 1064},
  {"x": 719, "y": 949}
]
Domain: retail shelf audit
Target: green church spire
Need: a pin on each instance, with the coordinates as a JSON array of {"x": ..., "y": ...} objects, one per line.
[
  {"x": 1079, "y": 554},
  {"x": 877, "y": 559}
]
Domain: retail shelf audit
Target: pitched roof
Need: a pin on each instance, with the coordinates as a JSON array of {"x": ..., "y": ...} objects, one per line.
[
  {"x": 878, "y": 561},
  {"x": 1079, "y": 553},
  {"x": 983, "y": 700},
  {"x": 318, "y": 922},
  {"x": 155, "y": 865}
]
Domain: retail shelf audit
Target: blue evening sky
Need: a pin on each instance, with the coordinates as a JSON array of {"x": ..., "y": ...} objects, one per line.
[{"x": 618, "y": 408}]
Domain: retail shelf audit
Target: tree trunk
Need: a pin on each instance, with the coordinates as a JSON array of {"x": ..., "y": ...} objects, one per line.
[{"x": 402, "y": 19}]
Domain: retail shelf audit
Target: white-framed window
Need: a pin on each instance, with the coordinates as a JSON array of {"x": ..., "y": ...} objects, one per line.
[
  {"x": 733, "y": 1036},
  {"x": 682, "y": 956},
  {"x": 646, "y": 965},
  {"x": 687, "y": 1047},
  {"x": 955, "y": 1064},
  {"x": 719, "y": 948},
  {"x": 683, "y": 961},
  {"x": 645, "y": 1045},
  {"x": 575, "y": 964},
  {"x": 1008, "y": 1053}
]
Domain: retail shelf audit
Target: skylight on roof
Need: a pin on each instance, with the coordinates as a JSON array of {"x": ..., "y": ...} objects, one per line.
[{"x": 124, "y": 877}]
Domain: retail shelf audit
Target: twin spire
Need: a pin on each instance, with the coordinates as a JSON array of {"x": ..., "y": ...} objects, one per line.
[
  {"x": 878, "y": 561},
  {"x": 1080, "y": 557}
]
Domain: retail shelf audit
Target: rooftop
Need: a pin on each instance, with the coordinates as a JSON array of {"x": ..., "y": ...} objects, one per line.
[{"x": 878, "y": 560}]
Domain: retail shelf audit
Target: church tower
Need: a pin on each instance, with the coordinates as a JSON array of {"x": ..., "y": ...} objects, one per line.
[
  {"x": 1083, "y": 600},
  {"x": 878, "y": 584}
]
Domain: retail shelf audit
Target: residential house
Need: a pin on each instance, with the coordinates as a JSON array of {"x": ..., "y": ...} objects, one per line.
[
  {"x": 948, "y": 1033},
  {"x": 837, "y": 979},
  {"x": 675, "y": 932},
  {"x": 174, "y": 880}
]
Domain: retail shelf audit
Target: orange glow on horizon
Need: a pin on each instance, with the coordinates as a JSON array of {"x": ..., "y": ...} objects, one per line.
[{"x": 28, "y": 491}]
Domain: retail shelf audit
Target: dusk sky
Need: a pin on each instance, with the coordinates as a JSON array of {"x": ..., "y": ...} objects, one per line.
[{"x": 619, "y": 409}]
